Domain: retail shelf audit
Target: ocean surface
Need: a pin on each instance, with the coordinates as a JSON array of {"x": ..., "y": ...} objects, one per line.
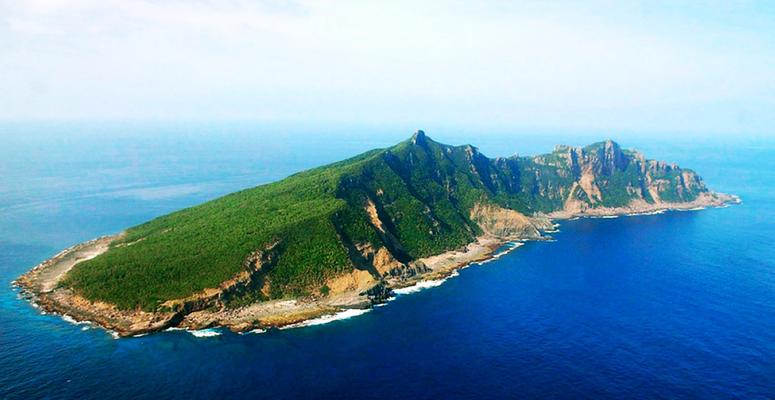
[{"x": 675, "y": 305}]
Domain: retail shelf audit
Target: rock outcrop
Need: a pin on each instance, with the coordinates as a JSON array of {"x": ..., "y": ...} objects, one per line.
[
  {"x": 603, "y": 175},
  {"x": 502, "y": 222}
]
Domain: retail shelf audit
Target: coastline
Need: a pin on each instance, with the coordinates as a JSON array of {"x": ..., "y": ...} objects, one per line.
[
  {"x": 705, "y": 200},
  {"x": 40, "y": 284}
]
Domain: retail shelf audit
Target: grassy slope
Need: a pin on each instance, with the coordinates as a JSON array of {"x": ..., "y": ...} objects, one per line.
[
  {"x": 422, "y": 190},
  {"x": 183, "y": 252}
]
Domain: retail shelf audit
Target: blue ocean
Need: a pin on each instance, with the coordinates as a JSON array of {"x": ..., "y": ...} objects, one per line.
[{"x": 679, "y": 305}]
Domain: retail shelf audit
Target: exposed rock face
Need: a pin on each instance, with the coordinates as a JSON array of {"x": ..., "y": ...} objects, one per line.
[
  {"x": 604, "y": 175},
  {"x": 502, "y": 222},
  {"x": 384, "y": 262},
  {"x": 378, "y": 293},
  {"x": 405, "y": 271},
  {"x": 356, "y": 280},
  {"x": 371, "y": 209}
]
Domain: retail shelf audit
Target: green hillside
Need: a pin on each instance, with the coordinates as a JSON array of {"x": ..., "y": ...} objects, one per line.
[{"x": 422, "y": 192}]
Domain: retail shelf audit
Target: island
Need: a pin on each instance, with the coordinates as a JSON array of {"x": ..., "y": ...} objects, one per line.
[{"x": 344, "y": 236}]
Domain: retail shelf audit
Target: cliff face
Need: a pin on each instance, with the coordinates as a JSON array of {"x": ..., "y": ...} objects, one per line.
[
  {"x": 350, "y": 225},
  {"x": 604, "y": 175}
]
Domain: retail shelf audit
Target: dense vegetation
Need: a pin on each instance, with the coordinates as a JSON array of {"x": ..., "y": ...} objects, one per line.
[{"x": 422, "y": 192}]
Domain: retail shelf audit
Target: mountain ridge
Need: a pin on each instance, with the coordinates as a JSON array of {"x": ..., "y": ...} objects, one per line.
[{"x": 349, "y": 231}]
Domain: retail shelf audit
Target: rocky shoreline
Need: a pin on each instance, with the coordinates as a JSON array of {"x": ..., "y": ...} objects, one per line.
[
  {"x": 42, "y": 291},
  {"x": 40, "y": 285},
  {"x": 704, "y": 200}
]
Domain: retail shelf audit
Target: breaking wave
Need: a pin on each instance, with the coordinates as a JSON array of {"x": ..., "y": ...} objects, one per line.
[
  {"x": 345, "y": 314},
  {"x": 422, "y": 285},
  {"x": 201, "y": 333},
  {"x": 638, "y": 214},
  {"x": 205, "y": 333},
  {"x": 693, "y": 209}
]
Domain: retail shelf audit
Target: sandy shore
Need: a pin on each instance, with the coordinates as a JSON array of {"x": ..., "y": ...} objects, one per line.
[{"x": 41, "y": 284}]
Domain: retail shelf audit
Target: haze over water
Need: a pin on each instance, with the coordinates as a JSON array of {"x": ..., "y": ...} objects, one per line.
[{"x": 677, "y": 305}]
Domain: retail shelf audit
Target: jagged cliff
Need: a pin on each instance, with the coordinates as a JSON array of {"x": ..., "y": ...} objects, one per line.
[
  {"x": 607, "y": 176},
  {"x": 349, "y": 231}
]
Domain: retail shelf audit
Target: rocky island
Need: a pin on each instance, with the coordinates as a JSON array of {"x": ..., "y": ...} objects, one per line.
[{"x": 345, "y": 235}]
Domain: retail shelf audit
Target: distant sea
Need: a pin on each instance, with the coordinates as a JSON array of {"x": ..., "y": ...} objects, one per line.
[{"x": 678, "y": 305}]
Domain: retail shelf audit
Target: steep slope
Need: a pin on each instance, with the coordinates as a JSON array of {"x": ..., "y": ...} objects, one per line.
[{"x": 351, "y": 224}]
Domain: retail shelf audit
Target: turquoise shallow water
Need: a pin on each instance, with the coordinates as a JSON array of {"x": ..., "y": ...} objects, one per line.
[{"x": 677, "y": 305}]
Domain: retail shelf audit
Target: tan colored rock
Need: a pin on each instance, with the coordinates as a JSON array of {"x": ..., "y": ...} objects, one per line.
[
  {"x": 356, "y": 280},
  {"x": 587, "y": 184},
  {"x": 384, "y": 261},
  {"x": 502, "y": 222},
  {"x": 371, "y": 210}
]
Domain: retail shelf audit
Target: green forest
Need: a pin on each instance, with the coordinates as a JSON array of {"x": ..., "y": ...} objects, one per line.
[{"x": 422, "y": 190}]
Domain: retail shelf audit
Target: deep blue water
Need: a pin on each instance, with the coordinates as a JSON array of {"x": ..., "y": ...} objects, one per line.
[{"x": 677, "y": 305}]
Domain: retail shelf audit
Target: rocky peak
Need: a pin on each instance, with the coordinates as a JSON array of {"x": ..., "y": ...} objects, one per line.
[
  {"x": 605, "y": 157},
  {"x": 573, "y": 156},
  {"x": 613, "y": 156},
  {"x": 419, "y": 137},
  {"x": 563, "y": 148}
]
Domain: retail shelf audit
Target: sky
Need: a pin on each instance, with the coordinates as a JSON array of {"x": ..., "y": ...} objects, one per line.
[{"x": 675, "y": 67}]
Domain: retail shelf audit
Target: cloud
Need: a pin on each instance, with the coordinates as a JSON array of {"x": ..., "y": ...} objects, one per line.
[{"x": 566, "y": 65}]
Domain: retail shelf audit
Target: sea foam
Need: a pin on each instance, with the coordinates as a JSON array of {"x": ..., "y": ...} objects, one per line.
[
  {"x": 509, "y": 248},
  {"x": 655, "y": 212},
  {"x": 345, "y": 314},
  {"x": 422, "y": 285},
  {"x": 202, "y": 333},
  {"x": 692, "y": 209},
  {"x": 73, "y": 321}
]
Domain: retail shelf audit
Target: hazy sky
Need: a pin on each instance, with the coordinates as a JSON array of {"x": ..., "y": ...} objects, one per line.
[{"x": 677, "y": 66}]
